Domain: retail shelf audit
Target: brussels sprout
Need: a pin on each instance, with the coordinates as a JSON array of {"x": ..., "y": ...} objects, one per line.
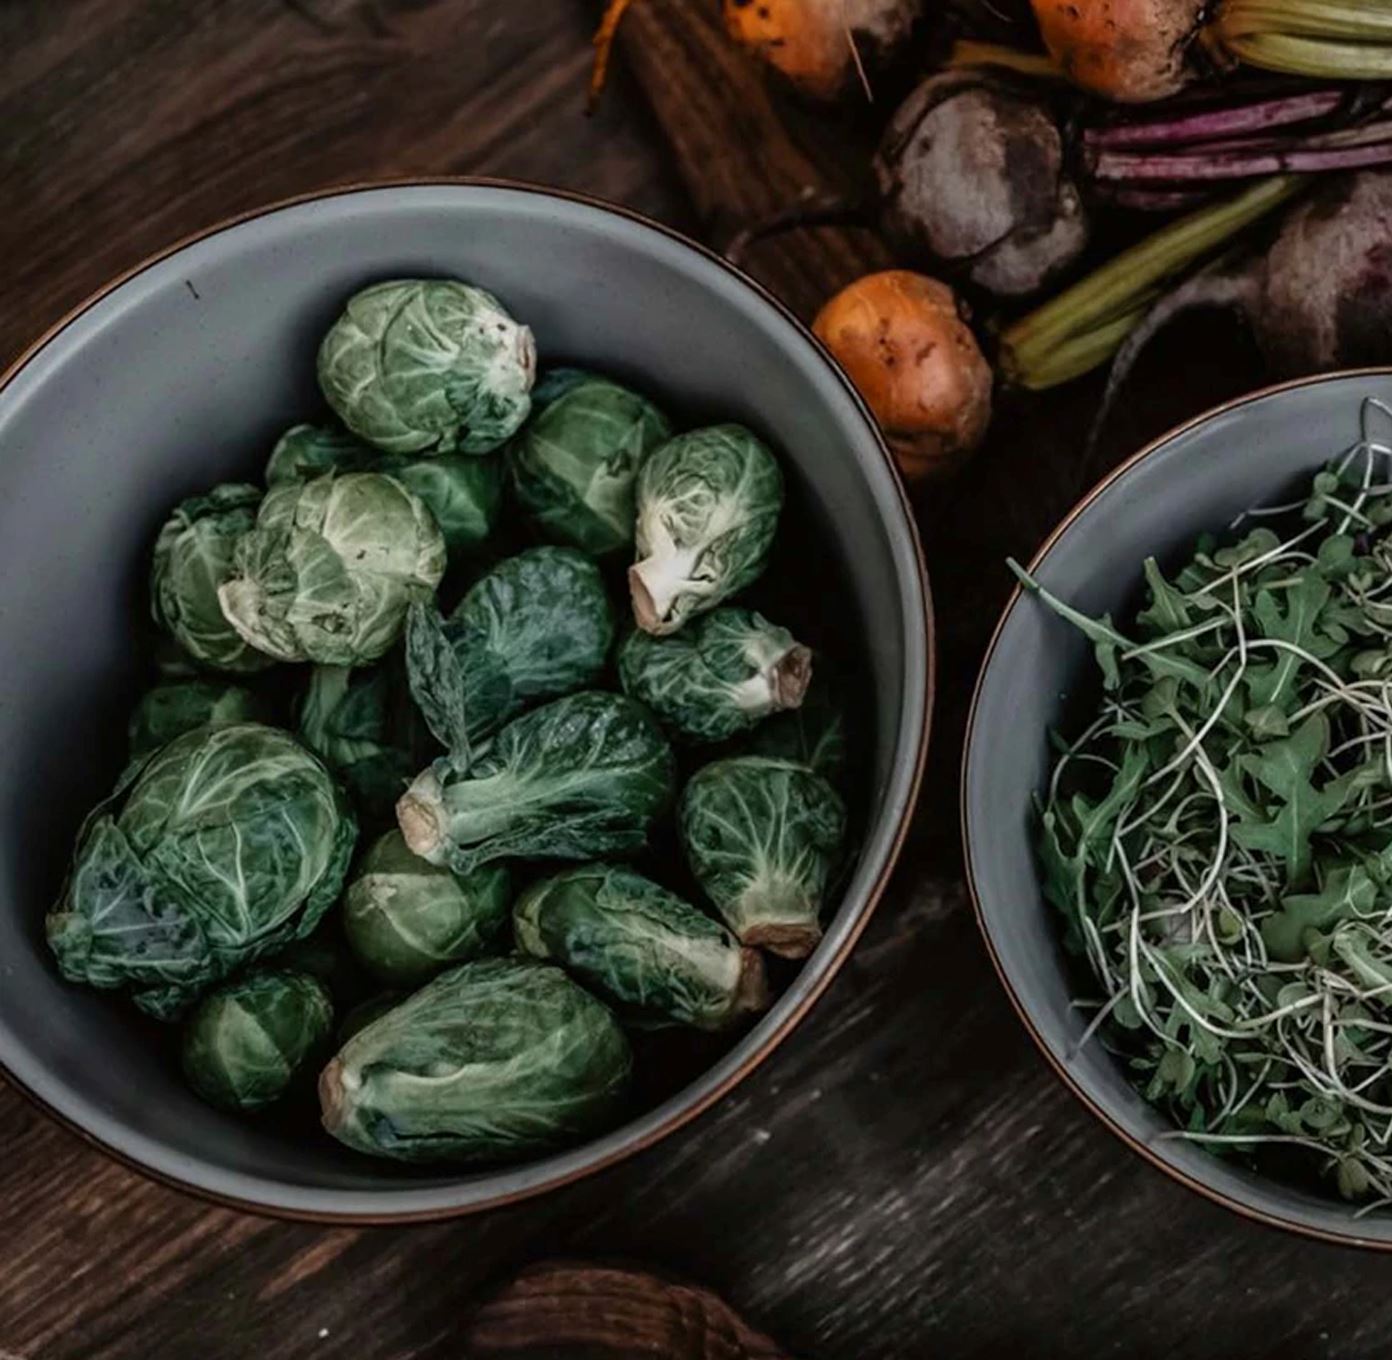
[
  {"x": 494, "y": 1060},
  {"x": 574, "y": 464},
  {"x": 407, "y": 919},
  {"x": 538, "y": 625},
  {"x": 554, "y": 383},
  {"x": 305, "y": 452},
  {"x": 331, "y": 567},
  {"x": 224, "y": 846},
  {"x": 361, "y": 722},
  {"x": 583, "y": 776},
  {"x": 707, "y": 509},
  {"x": 168, "y": 711},
  {"x": 428, "y": 366},
  {"x": 640, "y": 946},
  {"x": 247, "y": 1041},
  {"x": 812, "y": 734},
  {"x": 761, "y": 836},
  {"x": 463, "y": 492},
  {"x": 365, "y": 1012},
  {"x": 193, "y": 558},
  {"x": 727, "y": 671}
]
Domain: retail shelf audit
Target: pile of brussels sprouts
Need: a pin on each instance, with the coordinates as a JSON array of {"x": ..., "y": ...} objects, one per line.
[{"x": 332, "y": 757}]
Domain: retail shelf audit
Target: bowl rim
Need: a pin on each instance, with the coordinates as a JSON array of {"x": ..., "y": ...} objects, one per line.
[
  {"x": 1071, "y": 1084},
  {"x": 687, "y": 1113}
]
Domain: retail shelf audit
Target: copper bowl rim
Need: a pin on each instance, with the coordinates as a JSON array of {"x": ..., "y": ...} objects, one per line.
[
  {"x": 829, "y": 967},
  {"x": 1215, "y": 1196}
]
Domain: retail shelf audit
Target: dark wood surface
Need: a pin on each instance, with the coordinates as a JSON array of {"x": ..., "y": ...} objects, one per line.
[{"x": 903, "y": 1177}]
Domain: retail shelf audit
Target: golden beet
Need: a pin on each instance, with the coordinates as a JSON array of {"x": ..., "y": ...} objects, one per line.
[{"x": 901, "y": 338}]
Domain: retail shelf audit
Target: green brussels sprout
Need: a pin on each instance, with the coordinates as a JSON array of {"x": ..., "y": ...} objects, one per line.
[
  {"x": 224, "y": 846},
  {"x": 330, "y": 569},
  {"x": 707, "y": 509},
  {"x": 464, "y": 492},
  {"x": 407, "y": 919},
  {"x": 193, "y": 558},
  {"x": 305, "y": 452},
  {"x": 365, "y": 1012},
  {"x": 495, "y": 1060},
  {"x": 361, "y": 723},
  {"x": 170, "y": 710},
  {"x": 428, "y": 366},
  {"x": 247, "y": 1041},
  {"x": 580, "y": 777},
  {"x": 813, "y": 733},
  {"x": 554, "y": 383},
  {"x": 762, "y": 836},
  {"x": 640, "y": 946},
  {"x": 575, "y": 462},
  {"x": 730, "y": 669},
  {"x": 537, "y": 626}
]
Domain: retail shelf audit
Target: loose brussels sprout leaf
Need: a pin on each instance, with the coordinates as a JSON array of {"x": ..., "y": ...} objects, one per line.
[
  {"x": 761, "y": 837},
  {"x": 581, "y": 777},
  {"x": 224, "y": 846},
  {"x": 812, "y": 734},
  {"x": 428, "y": 366},
  {"x": 640, "y": 946},
  {"x": 575, "y": 463},
  {"x": 305, "y": 452},
  {"x": 247, "y": 1041},
  {"x": 708, "y": 505},
  {"x": 493, "y": 1061},
  {"x": 361, "y": 722},
  {"x": 464, "y": 492},
  {"x": 193, "y": 558},
  {"x": 407, "y": 919},
  {"x": 168, "y": 711},
  {"x": 537, "y": 626},
  {"x": 722, "y": 674},
  {"x": 330, "y": 569}
]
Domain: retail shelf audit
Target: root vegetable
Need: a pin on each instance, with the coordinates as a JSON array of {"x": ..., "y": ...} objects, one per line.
[
  {"x": 902, "y": 340},
  {"x": 1319, "y": 297},
  {"x": 971, "y": 175},
  {"x": 823, "y": 46},
  {"x": 1135, "y": 51}
]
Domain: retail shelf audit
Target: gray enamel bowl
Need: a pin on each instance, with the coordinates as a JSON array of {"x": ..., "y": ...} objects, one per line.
[
  {"x": 1199, "y": 477},
  {"x": 180, "y": 375}
]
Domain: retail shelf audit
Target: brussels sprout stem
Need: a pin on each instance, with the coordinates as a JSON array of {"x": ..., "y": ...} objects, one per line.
[
  {"x": 654, "y": 583},
  {"x": 752, "y": 990},
  {"x": 418, "y": 812}
]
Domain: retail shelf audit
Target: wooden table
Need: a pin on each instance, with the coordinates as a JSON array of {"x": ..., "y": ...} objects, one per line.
[{"x": 903, "y": 1177}]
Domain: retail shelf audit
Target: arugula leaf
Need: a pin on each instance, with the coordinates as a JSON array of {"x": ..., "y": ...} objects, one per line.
[
  {"x": 1297, "y": 625},
  {"x": 1348, "y": 892}
]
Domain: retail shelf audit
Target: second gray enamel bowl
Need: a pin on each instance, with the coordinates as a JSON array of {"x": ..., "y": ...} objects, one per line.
[
  {"x": 1250, "y": 453},
  {"x": 181, "y": 376}
]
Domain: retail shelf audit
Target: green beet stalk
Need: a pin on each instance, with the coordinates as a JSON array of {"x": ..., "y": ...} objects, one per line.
[
  {"x": 1335, "y": 39},
  {"x": 1083, "y": 326}
]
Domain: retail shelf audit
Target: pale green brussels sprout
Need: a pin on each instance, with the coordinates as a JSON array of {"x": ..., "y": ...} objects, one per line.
[
  {"x": 721, "y": 674},
  {"x": 428, "y": 366},
  {"x": 247, "y": 1041},
  {"x": 330, "y": 569},
  {"x": 305, "y": 452},
  {"x": 536, "y": 626},
  {"x": 193, "y": 559},
  {"x": 361, "y": 722},
  {"x": 813, "y": 733},
  {"x": 407, "y": 919},
  {"x": 226, "y": 845},
  {"x": 168, "y": 711},
  {"x": 761, "y": 837},
  {"x": 574, "y": 464},
  {"x": 641, "y": 947},
  {"x": 580, "y": 777},
  {"x": 707, "y": 510},
  {"x": 493, "y": 1061}
]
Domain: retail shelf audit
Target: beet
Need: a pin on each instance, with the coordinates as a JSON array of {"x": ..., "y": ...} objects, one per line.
[
  {"x": 1318, "y": 298},
  {"x": 971, "y": 176}
]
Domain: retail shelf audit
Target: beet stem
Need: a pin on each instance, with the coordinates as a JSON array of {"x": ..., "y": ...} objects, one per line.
[
  {"x": 967, "y": 52},
  {"x": 1212, "y": 123},
  {"x": 1123, "y": 195},
  {"x": 1302, "y": 56},
  {"x": 1293, "y": 158},
  {"x": 1118, "y": 288}
]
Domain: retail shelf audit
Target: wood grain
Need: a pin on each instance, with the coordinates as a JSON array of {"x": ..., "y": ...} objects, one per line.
[{"x": 902, "y": 1178}]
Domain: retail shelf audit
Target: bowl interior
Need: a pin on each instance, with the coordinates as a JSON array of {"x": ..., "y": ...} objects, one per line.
[
  {"x": 182, "y": 377},
  {"x": 1249, "y": 454}
]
